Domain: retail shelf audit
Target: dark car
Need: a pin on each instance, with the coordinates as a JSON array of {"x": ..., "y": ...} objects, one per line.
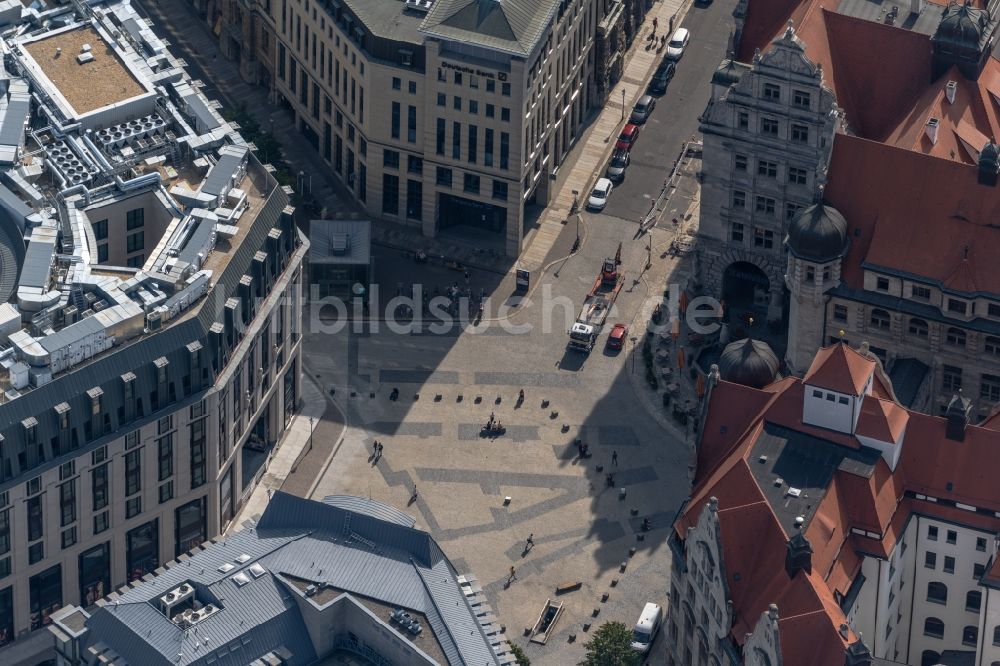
[
  {"x": 642, "y": 109},
  {"x": 617, "y": 165},
  {"x": 661, "y": 78},
  {"x": 628, "y": 136}
]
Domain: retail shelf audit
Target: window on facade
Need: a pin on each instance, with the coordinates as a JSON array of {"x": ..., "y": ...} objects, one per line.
[
  {"x": 970, "y": 635},
  {"x": 390, "y": 159},
  {"x": 134, "y": 219},
  {"x": 34, "y": 507},
  {"x": 880, "y": 319},
  {"x": 743, "y": 120},
  {"x": 973, "y": 600},
  {"x": 740, "y": 163},
  {"x": 390, "y": 194},
  {"x": 797, "y": 176},
  {"x": 955, "y": 337},
  {"x": 395, "y": 119},
  {"x": 840, "y": 313},
  {"x": 443, "y": 177},
  {"x": 930, "y": 559},
  {"x": 764, "y": 205},
  {"x": 882, "y": 284},
  {"x": 956, "y": 306},
  {"x": 736, "y": 232},
  {"x": 800, "y": 133},
  {"x": 100, "y": 229},
  {"x": 937, "y": 592},
  {"x": 772, "y": 92},
  {"x": 951, "y": 536},
  {"x": 396, "y": 83},
  {"x": 135, "y": 242},
  {"x": 981, "y": 544},
  {"x": 165, "y": 459},
  {"x": 917, "y": 327},
  {"x": 791, "y": 210},
  {"x": 932, "y": 530},
  {"x": 739, "y": 199},
  {"x": 991, "y": 345},
  {"x": 133, "y": 472},
  {"x": 133, "y": 506},
  {"x": 101, "y": 522},
  {"x": 45, "y": 593},
  {"x": 414, "y": 199},
  {"x": 499, "y": 190},
  {"x": 769, "y": 126},
  {"x": 949, "y": 564},
  {"x": 67, "y": 503},
  {"x": 801, "y": 99},
  {"x": 471, "y": 183},
  {"x": 951, "y": 380},
  {"x": 766, "y": 168},
  {"x": 989, "y": 389},
  {"x": 411, "y": 124},
  {"x": 197, "y": 454},
  {"x": 933, "y": 627},
  {"x": 921, "y": 293},
  {"x": 763, "y": 238},
  {"x": 996, "y": 635}
]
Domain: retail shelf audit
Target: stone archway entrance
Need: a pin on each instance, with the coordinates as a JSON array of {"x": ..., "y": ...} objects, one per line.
[{"x": 746, "y": 288}]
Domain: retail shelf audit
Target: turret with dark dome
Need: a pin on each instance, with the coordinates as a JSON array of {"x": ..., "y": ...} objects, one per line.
[
  {"x": 818, "y": 233},
  {"x": 749, "y": 362},
  {"x": 963, "y": 38},
  {"x": 989, "y": 164}
]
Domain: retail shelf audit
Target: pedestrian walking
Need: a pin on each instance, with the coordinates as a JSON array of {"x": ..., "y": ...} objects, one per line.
[
  {"x": 530, "y": 543},
  {"x": 614, "y": 458},
  {"x": 512, "y": 576},
  {"x": 656, "y": 23}
]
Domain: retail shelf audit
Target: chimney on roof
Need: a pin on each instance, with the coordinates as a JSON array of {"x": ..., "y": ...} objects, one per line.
[
  {"x": 857, "y": 654},
  {"x": 931, "y": 129},
  {"x": 798, "y": 555},
  {"x": 949, "y": 91},
  {"x": 958, "y": 414}
]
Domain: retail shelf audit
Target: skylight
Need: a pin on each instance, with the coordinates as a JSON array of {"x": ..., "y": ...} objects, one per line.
[
  {"x": 226, "y": 567},
  {"x": 241, "y": 579},
  {"x": 257, "y": 570}
]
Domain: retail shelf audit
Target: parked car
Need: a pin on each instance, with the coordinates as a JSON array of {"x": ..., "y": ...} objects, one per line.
[
  {"x": 599, "y": 197},
  {"x": 677, "y": 43},
  {"x": 616, "y": 167},
  {"x": 661, "y": 78},
  {"x": 642, "y": 110},
  {"x": 627, "y": 138},
  {"x": 616, "y": 338}
]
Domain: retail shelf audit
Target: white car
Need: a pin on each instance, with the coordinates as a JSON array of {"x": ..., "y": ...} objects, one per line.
[
  {"x": 599, "y": 197},
  {"x": 677, "y": 43}
]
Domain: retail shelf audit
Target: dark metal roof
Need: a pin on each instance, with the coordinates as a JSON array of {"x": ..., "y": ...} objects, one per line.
[
  {"x": 512, "y": 26},
  {"x": 301, "y": 539},
  {"x": 749, "y": 362},
  {"x": 817, "y": 233},
  {"x": 12, "y": 122},
  {"x": 907, "y": 375},
  {"x": 340, "y": 241},
  {"x": 13, "y": 212},
  {"x": 370, "y": 507},
  {"x": 803, "y": 462}
]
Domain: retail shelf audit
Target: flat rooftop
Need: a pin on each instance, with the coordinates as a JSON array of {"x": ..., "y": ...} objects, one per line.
[{"x": 102, "y": 81}]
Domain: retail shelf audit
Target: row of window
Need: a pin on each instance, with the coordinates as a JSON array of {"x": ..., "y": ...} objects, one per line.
[
  {"x": 952, "y": 305},
  {"x": 772, "y": 92},
  {"x": 762, "y": 238},
  {"x": 769, "y": 169},
  {"x": 490, "y": 110},
  {"x": 880, "y": 319},
  {"x": 764, "y": 205},
  {"x": 930, "y": 562},
  {"x": 473, "y": 145},
  {"x": 771, "y": 127},
  {"x": 934, "y": 628},
  {"x": 458, "y": 78}
]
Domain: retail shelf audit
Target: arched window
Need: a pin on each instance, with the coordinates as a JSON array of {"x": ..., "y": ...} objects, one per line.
[
  {"x": 992, "y": 345},
  {"x": 933, "y": 627},
  {"x": 930, "y": 658},
  {"x": 955, "y": 337},
  {"x": 937, "y": 592},
  {"x": 970, "y": 635},
  {"x": 918, "y": 328},
  {"x": 973, "y": 600},
  {"x": 880, "y": 319}
]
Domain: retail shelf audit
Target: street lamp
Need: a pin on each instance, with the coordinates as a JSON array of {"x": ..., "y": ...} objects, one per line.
[
  {"x": 623, "y": 102},
  {"x": 312, "y": 420}
]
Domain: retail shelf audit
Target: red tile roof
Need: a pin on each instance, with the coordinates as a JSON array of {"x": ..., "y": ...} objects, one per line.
[
  {"x": 897, "y": 210},
  {"x": 883, "y": 420},
  {"x": 840, "y": 368},
  {"x": 754, "y": 540}
]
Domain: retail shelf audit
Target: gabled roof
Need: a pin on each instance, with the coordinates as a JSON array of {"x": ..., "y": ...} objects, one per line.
[
  {"x": 511, "y": 26},
  {"x": 884, "y": 420},
  {"x": 899, "y": 204},
  {"x": 862, "y": 492},
  {"x": 840, "y": 368}
]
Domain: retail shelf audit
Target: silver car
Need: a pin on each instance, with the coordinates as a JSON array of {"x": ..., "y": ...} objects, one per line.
[
  {"x": 642, "y": 109},
  {"x": 617, "y": 165}
]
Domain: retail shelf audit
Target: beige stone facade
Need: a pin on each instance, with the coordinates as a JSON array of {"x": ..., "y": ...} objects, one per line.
[{"x": 434, "y": 133}]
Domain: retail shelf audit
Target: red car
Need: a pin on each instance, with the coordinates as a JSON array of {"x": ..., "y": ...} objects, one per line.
[
  {"x": 627, "y": 138},
  {"x": 616, "y": 339}
]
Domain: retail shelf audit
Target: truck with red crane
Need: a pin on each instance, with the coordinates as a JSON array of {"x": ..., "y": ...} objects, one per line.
[{"x": 596, "y": 306}]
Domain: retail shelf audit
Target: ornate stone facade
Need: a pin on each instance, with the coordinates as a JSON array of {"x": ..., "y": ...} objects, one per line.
[{"x": 767, "y": 142}]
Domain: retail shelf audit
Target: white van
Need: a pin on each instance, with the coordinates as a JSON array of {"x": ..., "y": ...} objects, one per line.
[{"x": 646, "y": 627}]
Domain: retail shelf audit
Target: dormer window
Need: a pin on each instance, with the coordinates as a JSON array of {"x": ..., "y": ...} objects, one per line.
[{"x": 957, "y": 307}]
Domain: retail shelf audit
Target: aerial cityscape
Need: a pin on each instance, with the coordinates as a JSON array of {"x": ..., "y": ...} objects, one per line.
[{"x": 471, "y": 332}]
